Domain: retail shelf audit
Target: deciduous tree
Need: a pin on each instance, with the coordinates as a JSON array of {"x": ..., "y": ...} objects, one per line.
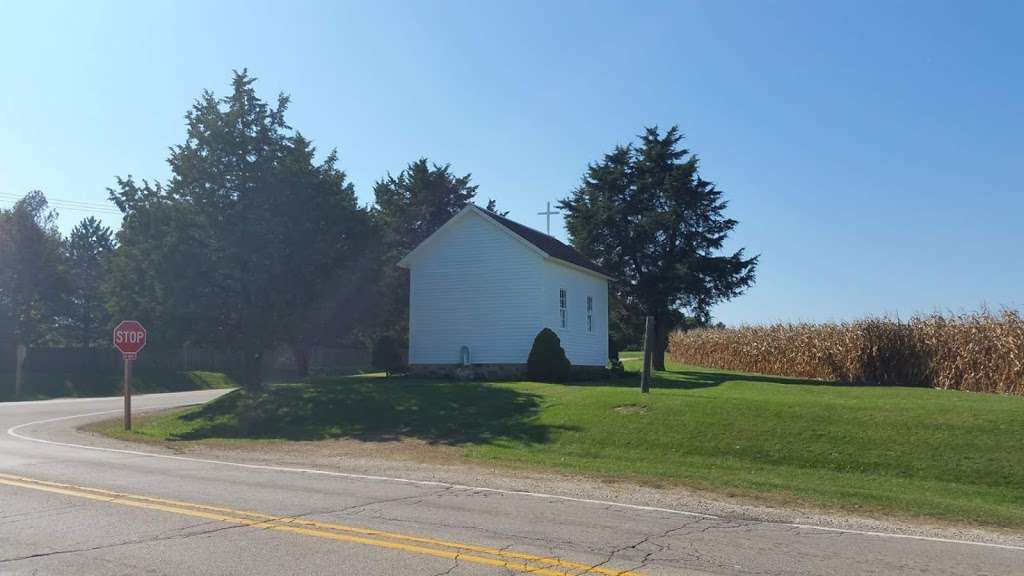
[{"x": 31, "y": 271}]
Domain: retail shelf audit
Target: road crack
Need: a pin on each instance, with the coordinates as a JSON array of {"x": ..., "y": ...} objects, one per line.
[
  {"x": 416, "y": 498},
  {"x": 455, "y": 564},
  {"x": 132, "y": 542},
  {"x": 646, "y": 558}
]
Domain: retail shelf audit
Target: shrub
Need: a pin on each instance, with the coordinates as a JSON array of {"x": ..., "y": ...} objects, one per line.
[
  {"x": 387, "y": 356},
  {"x": 547, "y": 361},
  {"x": 617, "y": 370},
  {"x": 982, "y": 352}
]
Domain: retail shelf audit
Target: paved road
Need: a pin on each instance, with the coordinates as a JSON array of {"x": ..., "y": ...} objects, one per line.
[{"x": 74, "y": 510}]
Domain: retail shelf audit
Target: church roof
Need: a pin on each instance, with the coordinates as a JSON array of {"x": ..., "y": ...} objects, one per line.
[
  {"x": 548, "y": 244},
  {"x": 544, "y": 244}
]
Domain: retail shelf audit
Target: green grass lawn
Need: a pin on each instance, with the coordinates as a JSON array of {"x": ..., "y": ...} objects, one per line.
[{"x": 954, "y": 456}]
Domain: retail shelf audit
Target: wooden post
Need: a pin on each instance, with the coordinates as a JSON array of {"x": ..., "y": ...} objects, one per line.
[
  {"x": 20, "y": 354},
  {"x": 127, "y": 393},
  {"x": 648, "y": 359}
]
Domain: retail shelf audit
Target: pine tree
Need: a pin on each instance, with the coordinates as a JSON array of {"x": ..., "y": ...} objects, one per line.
[
  {"x": 645, "y": 213},
  {"x": 88, "y": 247},
  {"x": 243, "y": 247},
  {"x": 409, "y": 208}
]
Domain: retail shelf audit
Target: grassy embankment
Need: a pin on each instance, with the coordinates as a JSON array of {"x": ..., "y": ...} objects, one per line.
[
  {"x": 954, "y": 456},
  {"x": 41, "y": 386}
]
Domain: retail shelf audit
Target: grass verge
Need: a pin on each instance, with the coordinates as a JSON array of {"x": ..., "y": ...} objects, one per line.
[
  {"x": 874, "y": 450},
  {"x": 41, "y": 386}
]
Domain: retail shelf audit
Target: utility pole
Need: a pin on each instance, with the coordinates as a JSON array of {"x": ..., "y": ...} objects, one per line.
[{"x": 548, "y": 213}]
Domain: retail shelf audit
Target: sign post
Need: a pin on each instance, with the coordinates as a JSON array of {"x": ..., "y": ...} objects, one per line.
[
  {"x": 129, "y": 338},
  {"x": 648, "y": 359},
  {"x": 128, "y": 393}
]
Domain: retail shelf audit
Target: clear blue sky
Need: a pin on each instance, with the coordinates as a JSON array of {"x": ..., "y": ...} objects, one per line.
[{"x": 873, "y": 152}]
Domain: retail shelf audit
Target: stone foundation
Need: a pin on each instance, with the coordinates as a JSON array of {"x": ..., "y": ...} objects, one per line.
[
  {"x": 471, "y": 372},
  {"x": 498, "y": 372},
  {"x": 586, "y": 373}
]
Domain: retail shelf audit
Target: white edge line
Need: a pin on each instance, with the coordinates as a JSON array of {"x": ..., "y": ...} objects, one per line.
[
  {"x": 49, "y": 401},
  {"x": 13, "y": 431},
  {"x": 910, "y": 536}
]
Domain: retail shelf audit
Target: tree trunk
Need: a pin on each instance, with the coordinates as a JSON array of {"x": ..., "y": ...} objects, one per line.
[
  {"x": 86, "y": 331},
  {"x": 300, "y": 354},
  {"x": 19, "y": 351},
  {"x": 661, "y": 329},
  {"x": 252, "y": 378}
]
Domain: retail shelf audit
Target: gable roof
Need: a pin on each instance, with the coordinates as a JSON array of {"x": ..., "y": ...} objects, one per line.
[{"x": 547, "y": 245}]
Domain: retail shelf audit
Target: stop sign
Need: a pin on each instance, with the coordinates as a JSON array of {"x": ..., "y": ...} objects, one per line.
[{"x": 129, "y": 338}]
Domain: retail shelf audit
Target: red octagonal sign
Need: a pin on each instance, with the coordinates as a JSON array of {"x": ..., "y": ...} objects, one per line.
[{"x": 129, "y": 338}]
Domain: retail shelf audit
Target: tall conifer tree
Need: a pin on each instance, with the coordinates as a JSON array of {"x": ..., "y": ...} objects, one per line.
[
  {"x": 645, "y": 214},
  {"x": 409, "y": 208},
  {"x": 246, "y": 241}
]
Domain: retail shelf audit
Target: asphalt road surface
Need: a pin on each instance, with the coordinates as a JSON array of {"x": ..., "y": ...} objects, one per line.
[{"x": 66, "y": 508}]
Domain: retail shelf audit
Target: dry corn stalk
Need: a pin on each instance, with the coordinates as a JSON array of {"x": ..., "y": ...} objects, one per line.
[{"x": 982, "y": 352}]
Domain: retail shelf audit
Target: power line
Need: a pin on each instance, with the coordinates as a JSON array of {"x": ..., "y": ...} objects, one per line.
[
  {"x": 81, "y": 209},
  {"x": 86, "y": 210},
  {"x": 71, "y": 208},
  {"x": 61, "y": 201},
  {"x": 68, "y": 205}
]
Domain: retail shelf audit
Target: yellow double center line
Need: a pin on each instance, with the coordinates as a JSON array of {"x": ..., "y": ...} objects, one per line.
[{"x": 500, "y": 558}]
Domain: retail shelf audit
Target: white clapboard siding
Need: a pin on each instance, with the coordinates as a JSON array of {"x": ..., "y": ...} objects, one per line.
[
  {"x": 476, "y": 284},
  {"x": 582, "y": 346}
]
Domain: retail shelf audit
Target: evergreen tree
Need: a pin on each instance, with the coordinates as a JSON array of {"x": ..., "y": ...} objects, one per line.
[
  {"x": 418, "y": 201},
  {"x": 547, "y": 361},
  {"x": 492, "y": 206},
  {"x": 645, "y": 213},
  {"x": 240, "y": 249},
  {"x": 409, "y": 208},
  {"x": 85, "y": 318}
]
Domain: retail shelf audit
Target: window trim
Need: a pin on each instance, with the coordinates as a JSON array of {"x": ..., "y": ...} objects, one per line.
[
  {"x": 590, "y": 314},
  {"x": 563, "y": 307}
]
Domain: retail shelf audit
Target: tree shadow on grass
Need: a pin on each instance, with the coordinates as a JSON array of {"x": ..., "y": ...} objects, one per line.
[
  {"x": 377, "y": 410},
  {"x": 695, "y": 378}
]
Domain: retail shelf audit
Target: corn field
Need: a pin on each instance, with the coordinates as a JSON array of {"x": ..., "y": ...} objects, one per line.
[{"x": 981, "y": 352}]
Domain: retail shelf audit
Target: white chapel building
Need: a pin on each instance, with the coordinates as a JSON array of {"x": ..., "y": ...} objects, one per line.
[{"x": 483, "y": 286}]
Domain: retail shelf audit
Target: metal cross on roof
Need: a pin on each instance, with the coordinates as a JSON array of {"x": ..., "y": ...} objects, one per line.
[{"x": 548, "y": 213}]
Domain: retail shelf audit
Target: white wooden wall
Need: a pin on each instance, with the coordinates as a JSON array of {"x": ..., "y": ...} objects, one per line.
[
  {"x": 476, "y": 285},
  {"x": 584, "y": 348}
]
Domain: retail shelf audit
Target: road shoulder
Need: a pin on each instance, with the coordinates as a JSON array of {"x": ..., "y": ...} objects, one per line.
[{"x": 411, "y": 460}]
